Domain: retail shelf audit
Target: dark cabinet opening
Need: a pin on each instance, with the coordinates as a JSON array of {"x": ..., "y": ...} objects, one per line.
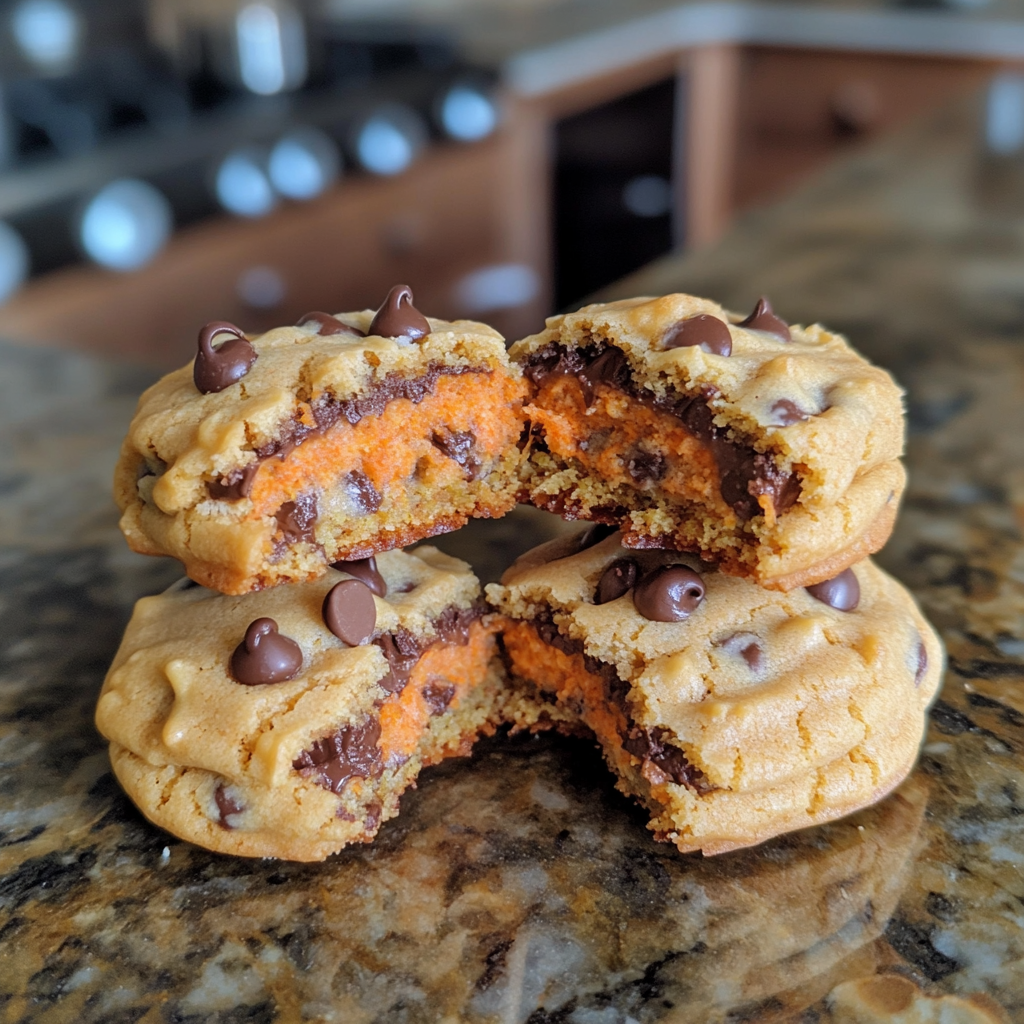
[{"x": 613, "y": 191}]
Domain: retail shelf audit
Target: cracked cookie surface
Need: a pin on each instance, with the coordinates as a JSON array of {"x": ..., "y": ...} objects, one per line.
[
  {"x": 753, "y": 713},
  {"x": 769, "y": 449},
  {"x": 313, "y": 749}
]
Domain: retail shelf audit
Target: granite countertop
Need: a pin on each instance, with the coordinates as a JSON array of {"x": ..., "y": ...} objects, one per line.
[{"x": 517, "y": 886}]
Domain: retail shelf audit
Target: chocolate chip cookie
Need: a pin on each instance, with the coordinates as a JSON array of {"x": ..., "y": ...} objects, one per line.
[
  {"x": 268, "y": 458},
  {"x": 772, "y": 450},
  {"x": 733, "y": 713},
  {"x": 287, "y": 723}
]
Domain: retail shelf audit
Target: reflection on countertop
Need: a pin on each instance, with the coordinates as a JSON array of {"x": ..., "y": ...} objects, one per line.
[{"x": 517, "y": 885}]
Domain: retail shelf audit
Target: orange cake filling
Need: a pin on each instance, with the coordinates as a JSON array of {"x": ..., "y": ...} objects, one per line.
[
  {"x": 567, "y": 677},
  {"x": 405, "y": 716},
  {"x": 626, "y": 443},
  {"x": 397, "y": 447}
]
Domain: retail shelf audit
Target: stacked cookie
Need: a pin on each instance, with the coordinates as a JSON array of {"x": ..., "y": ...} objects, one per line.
[{"x": 720, "y": 632}]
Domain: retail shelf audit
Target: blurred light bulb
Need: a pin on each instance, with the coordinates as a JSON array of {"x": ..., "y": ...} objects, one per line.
[
  {"x": 468, "y": 114},
  {"x": 647, "y": 195},
  {"x": 47, "y": 31},
  {"x": 389, "y": 140},
  {"x": 14, "y": 261},
  {"x": 500, "y": 286},
  {"x": 125, "y": 224},
  {"x": 242, "y": 184},
  {"x": 303, "y": 163},
  {"x": 1004, "y": 114},
  {"x": 271, "y": 45}
]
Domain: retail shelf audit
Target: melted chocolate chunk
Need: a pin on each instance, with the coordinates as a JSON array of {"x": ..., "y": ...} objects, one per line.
[
  {"x": 438, "y": 695},
  {"x": 652, "y": 745},
  {"x": 708, "y": 332},
  {"x": 215, "y": 369},
  {"x": 402, "y": 651},
  {"x": 842, "y": 592},
  {"x": 237, "y": 484},
  {"x": 744, "y": 474},
  {"x": 265, "y": 656},
  {"x": 372, "y": 817},
  {"x": 365, "y": 569},
  {"x": 297, "y": 519},
  {"x": 364, "y": 495},
  {"x": 460, "y": 447},
  {"x": 748, "y": 647},
  {"x": 349, "y": 612},
  {"x": 610, "y": 367},
  {"x": 398, "y": 317},
  {"x": 764, "y": 319},
  {"x": 646, "y": 467},
  {"x": 618, "y": 579},
  {"x": 453, "y": 623},
  {"x": 327, "y": 325},
  {"x": 226, "y": 807},
  {"x": 785, "y": 413},
  {"x": 669, "y": 593},
  {"x": 922, "y": 663},
  {"x": 349, "y": 753}
]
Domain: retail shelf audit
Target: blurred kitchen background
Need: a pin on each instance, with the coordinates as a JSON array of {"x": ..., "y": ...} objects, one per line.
[{"x": 170, "y": 162}]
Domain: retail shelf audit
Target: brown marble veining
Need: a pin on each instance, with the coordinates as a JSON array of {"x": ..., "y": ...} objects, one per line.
[{"x": 517, "y": 886}]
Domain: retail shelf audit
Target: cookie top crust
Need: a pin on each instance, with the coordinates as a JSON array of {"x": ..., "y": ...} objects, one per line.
[
  {"x": 741, "y": 668},
  {"x": 180, "y": 438},
  {"x": 171, "y": 698},
  {"x": 812, "y": 400}
]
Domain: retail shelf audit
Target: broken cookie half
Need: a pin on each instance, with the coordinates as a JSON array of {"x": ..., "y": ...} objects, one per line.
[
  {"x": 732, "y": 713},
  {"x": 288, "y": 723},
  {"x": 770, "y": 450},
  {"x": 269, "y": 458}
]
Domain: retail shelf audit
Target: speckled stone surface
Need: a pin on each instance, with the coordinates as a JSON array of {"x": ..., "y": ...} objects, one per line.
[{"x": 517, "y": 886}]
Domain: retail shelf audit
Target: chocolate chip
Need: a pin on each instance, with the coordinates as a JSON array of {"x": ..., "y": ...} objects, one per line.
[
  {"x": 365, "y": 569},
  {"x": 785, "y": 413},
  {"x": 215, "y": 369},
  {"x": 453, "y": 624},
  {"x": 763, "y": 319},
  {"x": 364, "y": 495},
  {"x": 710, "y": 333},
  {"x": 351, "y": 752},
  {"x": 748, "y": 647},
  {"x": 646, "y": 467},
  {"x": 398, "y": 317},
  {"x": 265, "y": 656},
  {"x": 652, "y": 745},
  {"x": 226, "y": 807},
  {"x": 372, "y": 817},
  {"x": 402, "y": 651},
  {"x": 842, "y": 592},
  {"x": 438, "y": 695},
  {"x": 460, "y": 447},
  {"x": 922, "y": 662},
  {"x": 610, "y": 367},
  {"x": 237, "y": 484},
  {"x": 669, "y": 593},
  {"x": 297, "y": 519},
  {"x": 349, "y": 612},
  {"x": 327, "y": 325},
  {"x": 616, "y": 580}
]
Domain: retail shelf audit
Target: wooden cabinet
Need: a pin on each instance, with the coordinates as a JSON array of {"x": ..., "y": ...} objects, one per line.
[
  {"x": 446, "y": 217},
  {"x": 797, "y": 109}
]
